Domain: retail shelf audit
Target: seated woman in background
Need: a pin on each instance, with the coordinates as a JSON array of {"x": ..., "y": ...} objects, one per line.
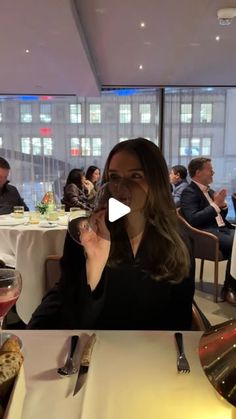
[
  {"x": 134, "y": 273},
  {"x": 93, "y": 174},
  {"x": 78, "y": 191}
]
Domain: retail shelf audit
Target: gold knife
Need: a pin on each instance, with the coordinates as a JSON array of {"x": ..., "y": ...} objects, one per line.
[{"x": 84, "y": 363}]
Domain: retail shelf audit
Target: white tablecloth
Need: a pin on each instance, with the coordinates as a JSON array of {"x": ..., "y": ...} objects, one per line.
[
  {"x": 26, "y": 247},
  {"x": 132, "y": 375}
]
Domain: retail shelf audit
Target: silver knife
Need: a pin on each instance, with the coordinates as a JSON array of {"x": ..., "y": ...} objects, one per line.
[{"x": 84, "y": 363}]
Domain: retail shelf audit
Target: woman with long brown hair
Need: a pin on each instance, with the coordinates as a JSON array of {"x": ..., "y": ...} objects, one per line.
[{"x": 133, "y": 273}]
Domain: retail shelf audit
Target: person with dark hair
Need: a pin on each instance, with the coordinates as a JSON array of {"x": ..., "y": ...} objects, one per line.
[
  {"x": 178, "y": 180},
  {"x": 93, "y": 174},
  {"x": 133, "y": 273},
  {"x": 9, "y": 195},
  {"x": 206, "y": 209},
  {"x": 77, "y": 191}
]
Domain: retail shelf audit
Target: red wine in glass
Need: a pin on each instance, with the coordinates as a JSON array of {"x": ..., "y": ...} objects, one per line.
[{"x": 10, "y": 288}]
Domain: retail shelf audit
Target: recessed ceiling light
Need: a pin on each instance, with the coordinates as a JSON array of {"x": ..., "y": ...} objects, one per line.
[
  {"x": 142, "y": 24},
  {"x": 217, "y": 38},
  {"x": 148, "y": 43},
  {"x": 140, "y": 67},
  {"x": 27, "y": 51}
]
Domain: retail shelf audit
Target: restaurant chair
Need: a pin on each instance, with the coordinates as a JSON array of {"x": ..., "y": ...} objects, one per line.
[
  {"x": 205, "y": 247},
  {"x": 52, "y": 271},
  {"x": 2, "y": 264},
  {"x": 199, "y": 320},
  {"x": 233, "y": 197}
]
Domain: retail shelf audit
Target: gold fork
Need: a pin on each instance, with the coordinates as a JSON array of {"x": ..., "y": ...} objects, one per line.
[{"x": 182, "y": 363}]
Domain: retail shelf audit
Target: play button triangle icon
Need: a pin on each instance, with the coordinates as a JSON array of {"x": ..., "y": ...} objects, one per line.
[{"x": 116, "y": 209}]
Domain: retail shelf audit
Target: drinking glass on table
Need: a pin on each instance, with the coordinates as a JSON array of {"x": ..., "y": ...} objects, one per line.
[
  {"x": 10, "y": 288},
  {"x": 18, "y": 211},
  {"x": 61, "y": 208},
  {"x": 34, "y": 217}
]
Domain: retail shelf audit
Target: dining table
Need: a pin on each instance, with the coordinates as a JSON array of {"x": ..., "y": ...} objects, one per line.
[
  {"x": 25, "y": 247},
  {"x": 132, "y": 375}
]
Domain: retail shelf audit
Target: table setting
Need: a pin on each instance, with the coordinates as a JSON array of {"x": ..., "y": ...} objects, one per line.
[
  {"x": 25, "y": 246},
  {"x": 118, "y": 374}
]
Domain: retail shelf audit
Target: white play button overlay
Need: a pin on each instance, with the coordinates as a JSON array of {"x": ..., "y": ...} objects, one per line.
[{"x": 116, "y": 209}]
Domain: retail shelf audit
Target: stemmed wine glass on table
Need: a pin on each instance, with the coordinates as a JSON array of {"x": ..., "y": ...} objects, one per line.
[{"x": 10, "y": 289}]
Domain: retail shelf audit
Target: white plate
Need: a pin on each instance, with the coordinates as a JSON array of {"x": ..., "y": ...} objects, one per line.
[
  {"x": 12, "y": 222},
  {"x": 47, "y": 224},
  {"x": 63, "y": 222}
]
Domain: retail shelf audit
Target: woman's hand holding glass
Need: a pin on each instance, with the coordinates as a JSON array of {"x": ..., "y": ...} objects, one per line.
[
  {"x": 90, "y": 230},
  {"x": 95, "y": 238}
]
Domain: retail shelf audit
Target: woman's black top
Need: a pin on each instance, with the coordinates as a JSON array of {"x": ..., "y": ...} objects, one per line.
[{"x": 126, "y": 298}]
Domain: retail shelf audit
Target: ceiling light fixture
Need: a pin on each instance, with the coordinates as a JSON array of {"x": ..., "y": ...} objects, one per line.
[
  {"x": 217, "y": 38},
  {"x": 140, "y": 67},
  {"x": 225, "y": 16},
  {"x": 27, "y": 51},
  {"x": 142, "y": 25}
]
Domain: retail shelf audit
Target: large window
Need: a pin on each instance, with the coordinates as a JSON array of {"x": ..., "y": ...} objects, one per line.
[
  {"x": 75, "y": 147},
  {"x": 85, "y": 146},
  {"x": 195, "y": 147},
  {"x": 95, "y": 114},
  {"x": 198, "y": 121},
  {"x": 96, "y": 146},
  {"x": 75, "y": 113},
  {"x": 36, "y": 146},
  {"x": 25, "y": 113},
  {"x": 45, "y": 112},
  {"x": 206, "y": 113},
  {"x": 186, "y": 113},
  {"x": 125, "y": 113},
  {"x": 47, "y": 146},
  {"x": 25, "y": 145},
  {"x": 145, "y": 113}
]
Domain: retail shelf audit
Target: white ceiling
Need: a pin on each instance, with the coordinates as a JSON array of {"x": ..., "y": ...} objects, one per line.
[{"x": 77, "y": 46}]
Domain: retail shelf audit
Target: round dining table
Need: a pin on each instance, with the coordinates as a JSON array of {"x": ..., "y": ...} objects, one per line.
[
  {"x": 132, "y": 375},
  {"x": 25, "y": 247}
]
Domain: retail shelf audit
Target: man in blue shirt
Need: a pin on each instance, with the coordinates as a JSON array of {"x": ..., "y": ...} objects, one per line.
[{"x": 178, "y": 175}]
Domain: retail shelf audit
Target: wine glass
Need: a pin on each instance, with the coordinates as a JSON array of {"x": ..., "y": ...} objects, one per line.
[
  {"x": 80, "y": 220},
  {"x": 10, "y": 288}
]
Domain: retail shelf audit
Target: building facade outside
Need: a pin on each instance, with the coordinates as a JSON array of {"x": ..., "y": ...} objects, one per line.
[{"x": 44, "y": 137}]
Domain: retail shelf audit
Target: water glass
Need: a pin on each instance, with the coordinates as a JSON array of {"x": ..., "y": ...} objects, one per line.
[
  {"x": 61, "y": 209},
  {"x": 18, "y": 211},
  {"x": 34, "y": 217},
  {"x": 52, "y": 215}
]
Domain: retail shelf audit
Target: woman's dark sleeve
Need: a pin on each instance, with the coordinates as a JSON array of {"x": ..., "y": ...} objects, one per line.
[
  {"x": 75, "y": 197},
  {"x": 183, "y": 293},
  {"x": 71, "y": 304},
  {"x": 182, "y": 299}
]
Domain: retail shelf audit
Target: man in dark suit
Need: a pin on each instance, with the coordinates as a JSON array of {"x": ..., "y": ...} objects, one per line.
[
  {"x": 178, "y": 175},
  {"x": 9, "y": 195},
  {"x": 205, "y": 209}
]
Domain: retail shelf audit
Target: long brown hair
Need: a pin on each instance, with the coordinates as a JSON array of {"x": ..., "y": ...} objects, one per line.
[{"x": 166, "y": 255}]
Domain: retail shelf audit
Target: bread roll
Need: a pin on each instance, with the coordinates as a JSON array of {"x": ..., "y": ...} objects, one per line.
[
  {"x": 10, "y": 345},
  {"x": 10, "y": 362}
]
